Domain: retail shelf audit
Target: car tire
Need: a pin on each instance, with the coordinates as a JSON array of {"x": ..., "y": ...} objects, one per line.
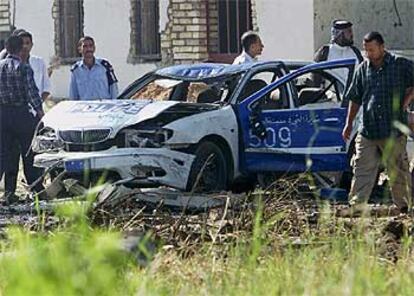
[{"x": 209, "y": 171}]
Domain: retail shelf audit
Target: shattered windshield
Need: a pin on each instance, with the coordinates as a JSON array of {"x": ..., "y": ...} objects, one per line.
[{"x": 168, "y": 89}]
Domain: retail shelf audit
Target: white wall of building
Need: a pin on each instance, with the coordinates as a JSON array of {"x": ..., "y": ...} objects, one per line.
[
  {"x": 286, "y": 28},
  {"x": 36, "y": 17},
  {"x": 108, "y": 21}
]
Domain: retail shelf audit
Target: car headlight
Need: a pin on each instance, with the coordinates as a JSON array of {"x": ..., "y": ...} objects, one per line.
[
  {"x": 146, "y": 138},
  {"x": 46, "y": 140}
]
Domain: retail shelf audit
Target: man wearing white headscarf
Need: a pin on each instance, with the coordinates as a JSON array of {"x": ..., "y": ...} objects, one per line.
[{"x": 340, "y": 47}]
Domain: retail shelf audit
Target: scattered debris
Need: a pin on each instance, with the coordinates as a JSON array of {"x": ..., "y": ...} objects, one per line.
[
  {"x": 288, "y": 211},
  {"x": 169, "y": 197}
]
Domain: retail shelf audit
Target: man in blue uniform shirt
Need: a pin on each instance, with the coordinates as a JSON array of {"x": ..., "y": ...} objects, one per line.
[{"x": 92, "y": 78}]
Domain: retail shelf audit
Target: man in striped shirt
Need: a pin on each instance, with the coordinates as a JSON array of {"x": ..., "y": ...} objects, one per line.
[{"x": 20, "y": 111}]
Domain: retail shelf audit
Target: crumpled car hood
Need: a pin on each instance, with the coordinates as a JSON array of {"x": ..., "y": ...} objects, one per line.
[{"x": 113, "y": 114}]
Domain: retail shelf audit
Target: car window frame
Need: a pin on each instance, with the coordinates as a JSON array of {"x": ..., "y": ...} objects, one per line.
[
  {"x": 151, "y": 77},
  {"x": 329, "y": 76},
  {"x": 349, "y": 63}
]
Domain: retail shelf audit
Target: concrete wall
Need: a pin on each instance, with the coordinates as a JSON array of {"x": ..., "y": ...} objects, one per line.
[
  {"x": 108, "y": 21},
  {"x": 37, "y": 18},
  {"x": 286, "y": 27},
  {"x": 367, "y": 15}
]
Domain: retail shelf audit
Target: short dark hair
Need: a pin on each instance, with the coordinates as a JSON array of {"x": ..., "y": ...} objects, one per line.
[
  {"x": 14, "y": 44},
  {"x": 374, "y": 36},
  {"x": 84, "y": 38},
  {"x": 248, "y": 38},
  {"x": 25, "y": 34},
  {"x": 16, "y": 32}
]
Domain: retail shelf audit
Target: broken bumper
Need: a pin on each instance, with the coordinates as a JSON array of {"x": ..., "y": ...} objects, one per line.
[{"x": 148, "y": 165}]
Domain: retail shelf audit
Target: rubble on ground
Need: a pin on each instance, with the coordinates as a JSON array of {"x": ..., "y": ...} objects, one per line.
[{"x": 290, "y": 215}]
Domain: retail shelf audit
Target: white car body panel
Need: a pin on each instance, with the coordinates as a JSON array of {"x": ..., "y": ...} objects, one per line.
[
  {"x": 116, "y": 115},
  {"x": 221, "y": 122},
  {"x": 113, "y": 114}
]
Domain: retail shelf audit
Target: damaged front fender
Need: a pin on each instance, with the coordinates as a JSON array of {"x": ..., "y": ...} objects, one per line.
[{"x": 157, "y": 166}]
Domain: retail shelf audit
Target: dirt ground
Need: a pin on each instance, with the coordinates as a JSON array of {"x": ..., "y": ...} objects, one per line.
[
  {"x": 289, "y": 213},
  {"x": 20, "y": 188}
]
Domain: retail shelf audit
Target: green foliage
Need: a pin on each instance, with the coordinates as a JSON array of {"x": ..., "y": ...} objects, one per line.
[
  {"x": 76, "y": 260},
  {"x": 342, "y": 267},
  {"x": 80, "y": 260}
]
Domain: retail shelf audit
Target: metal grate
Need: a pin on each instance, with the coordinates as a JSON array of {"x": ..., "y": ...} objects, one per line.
[{"x": 84, "y": 136}]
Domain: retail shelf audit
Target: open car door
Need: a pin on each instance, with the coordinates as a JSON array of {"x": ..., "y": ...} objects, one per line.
[{"x": 295, "y": 123}]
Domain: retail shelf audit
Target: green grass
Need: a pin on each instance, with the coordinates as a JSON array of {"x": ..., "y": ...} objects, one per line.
[
  {"x": 78, "y": 259},
  {"x": 343, "y": 268}
]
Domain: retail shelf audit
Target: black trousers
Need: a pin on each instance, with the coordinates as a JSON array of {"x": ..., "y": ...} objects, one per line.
[{"x": 17, "y": 127}]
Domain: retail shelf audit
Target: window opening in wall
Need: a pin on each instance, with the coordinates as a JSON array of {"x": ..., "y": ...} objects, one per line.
[
  {"x": 69, "y": 29},
  {"x": 145, "y": 43},
  {"x": 234, "y": 18}
]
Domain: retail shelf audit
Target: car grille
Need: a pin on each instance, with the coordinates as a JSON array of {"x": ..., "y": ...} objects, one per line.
[{"x": 84, "y": 136}]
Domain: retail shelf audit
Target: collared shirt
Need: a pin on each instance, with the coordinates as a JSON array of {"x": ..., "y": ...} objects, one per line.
[
  {"x": 91, "y": 84},
  {"x": 3, "y": 54},
  {"x": 380, "y": 92},
  {"x": 244, "y": 58},
  {"x": 17, "y": 86},
  {"x": 41, "y": 77}
]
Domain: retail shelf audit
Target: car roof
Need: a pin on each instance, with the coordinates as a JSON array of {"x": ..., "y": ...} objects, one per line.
[{"x": 208, "y": 70}]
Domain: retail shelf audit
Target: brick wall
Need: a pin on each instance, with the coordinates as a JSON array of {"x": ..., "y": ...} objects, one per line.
[
  {"x": 254, "y": 16},
  {"x": 56, "y": 20},
  {"x": 5, "y": 22},
  {"x": 186, "y": 38},
  {"x": 213, "y": 25}
]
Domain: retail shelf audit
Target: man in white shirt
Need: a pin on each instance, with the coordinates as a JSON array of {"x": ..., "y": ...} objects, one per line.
[
  {"x": 37, "y": 64},
  {"x": 341, "y": 46},
  {"x": 252, "y": 47}
]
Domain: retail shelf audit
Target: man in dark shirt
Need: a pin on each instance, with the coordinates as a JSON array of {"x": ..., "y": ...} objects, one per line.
[
  {"x": 3, "y": 55},
  {"x": 382, "y": 85},
  {"x": 20, "y": 111}
]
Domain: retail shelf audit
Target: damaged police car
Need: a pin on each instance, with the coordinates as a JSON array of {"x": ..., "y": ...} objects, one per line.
[{"x": 203, "y": 127}]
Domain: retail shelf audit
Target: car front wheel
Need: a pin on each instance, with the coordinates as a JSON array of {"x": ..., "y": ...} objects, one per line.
[{"x": 209, "y": 170}]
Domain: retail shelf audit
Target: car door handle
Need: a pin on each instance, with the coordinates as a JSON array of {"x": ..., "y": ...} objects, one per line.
[{"x": 331, "y": 120}]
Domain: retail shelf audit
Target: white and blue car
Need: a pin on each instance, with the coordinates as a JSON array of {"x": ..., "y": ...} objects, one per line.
[{"x": 204, "y": 127}]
